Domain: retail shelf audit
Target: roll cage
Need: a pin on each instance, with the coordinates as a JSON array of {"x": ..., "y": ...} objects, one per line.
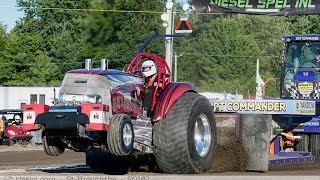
[{"x": 163, "y": 72}]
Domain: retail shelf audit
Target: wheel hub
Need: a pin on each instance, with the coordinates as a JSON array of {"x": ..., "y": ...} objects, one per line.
[
  {"x": 127, "y": 135},
  {"x": 202, "y": 135}
]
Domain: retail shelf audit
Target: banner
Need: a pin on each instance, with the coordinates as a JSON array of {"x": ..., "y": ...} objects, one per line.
[{"x": 258, "y": 7}]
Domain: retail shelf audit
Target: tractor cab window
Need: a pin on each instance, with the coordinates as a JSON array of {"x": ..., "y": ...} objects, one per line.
[
  {"x": 301, "y": 54},
  {"x": 301, "y": 70}
]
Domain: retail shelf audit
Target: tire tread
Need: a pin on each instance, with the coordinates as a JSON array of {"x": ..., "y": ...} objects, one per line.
[{"x": 171, "y": 136}]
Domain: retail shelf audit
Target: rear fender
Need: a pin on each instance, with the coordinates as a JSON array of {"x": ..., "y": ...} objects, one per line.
[
  {"x": 168, "y": 97},
  {"x": 30, "y": 112}
]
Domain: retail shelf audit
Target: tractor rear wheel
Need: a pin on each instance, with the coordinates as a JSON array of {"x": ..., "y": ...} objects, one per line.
[
  {"x": 303, "y": 143},
  {"x": 315, "y": 146},
  {"x": 102, "y": 161},
  {"x": 185, "y": 140},
  {"x": 52, "y": 147}
]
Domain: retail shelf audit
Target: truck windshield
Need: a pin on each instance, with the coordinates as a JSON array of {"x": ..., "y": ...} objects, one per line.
[
  {"x": 301, "y": 70},
  {"x": 301, "y": 54}
]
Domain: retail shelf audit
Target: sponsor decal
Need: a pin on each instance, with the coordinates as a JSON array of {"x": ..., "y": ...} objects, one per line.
[
  {"x": 301, "y": 107},
  {"x": 250, "y": 106},
  {"x": 311, "y": 123},
  {"x": 263, "y": 7},
  {"x": 305, "y": 107}
]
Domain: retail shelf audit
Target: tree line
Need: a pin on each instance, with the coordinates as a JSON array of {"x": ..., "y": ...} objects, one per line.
[{"x": 219, "y": 55}]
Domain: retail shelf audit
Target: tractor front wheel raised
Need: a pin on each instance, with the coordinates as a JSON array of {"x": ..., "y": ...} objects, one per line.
[
  {"x": 185, "y": 140},
  {"x": 120, "y": 136}
]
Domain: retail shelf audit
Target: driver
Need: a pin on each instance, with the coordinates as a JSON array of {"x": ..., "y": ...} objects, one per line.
[
  {"x": 149, "y": 69},
  {"x": 316, "y": 60},
  {"x": 17, "y": 120}
]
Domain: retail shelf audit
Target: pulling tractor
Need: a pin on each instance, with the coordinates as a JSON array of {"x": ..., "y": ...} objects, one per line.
[
  {"x": 100, "y": 112},
  {"x": 295, "y": 123},
  {"x": 300, "y": 79}
]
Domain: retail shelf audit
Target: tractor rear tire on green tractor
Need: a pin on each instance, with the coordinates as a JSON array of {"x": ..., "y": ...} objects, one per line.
[
  {"x": 52, "y": 147},
  {"x": 102, "y": 161},
  {"x": 185, "y": 140},
  {"x": 303, "y": 143},
  {"x": 315, "y": 146},
  {"x": 120, "y": 136}
]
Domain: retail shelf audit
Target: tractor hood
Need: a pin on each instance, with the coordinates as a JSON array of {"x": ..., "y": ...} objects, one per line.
[{"x": 84, "y": 88}]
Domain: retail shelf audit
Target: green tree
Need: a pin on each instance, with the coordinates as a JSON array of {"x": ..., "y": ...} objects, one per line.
[
  {"x": 221, "y": 52},
  {"x": 117, "y": 35},
  {"x": 3, "y": 37},
  {"x": 303, "y": 24},
  {"x": 60, "y": 29},
  {"x": 22, "y": 55},
  {"x": 219, "y": 55},
  {"x": 3, "y": 43}
]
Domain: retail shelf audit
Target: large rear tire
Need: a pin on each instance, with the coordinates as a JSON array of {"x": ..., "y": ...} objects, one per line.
[
  {"x": 303, "y": 143},
  {"x": 52, "y": 147},
  {"x": 185, "y": 140},
  {"x": 120, "y": 136},
  {"x": 315, "y": 146},
  {"x": 102, "y": 161}
]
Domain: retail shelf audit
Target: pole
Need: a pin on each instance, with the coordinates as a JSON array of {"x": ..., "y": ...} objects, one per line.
[
  {"x": 172, "y": 31},
  {"x": 175, "y": 66},
  {"x": 169, "y": 31}
]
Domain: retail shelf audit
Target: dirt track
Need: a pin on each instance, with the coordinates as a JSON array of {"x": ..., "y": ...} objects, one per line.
[{"x": 31, "y": 160}]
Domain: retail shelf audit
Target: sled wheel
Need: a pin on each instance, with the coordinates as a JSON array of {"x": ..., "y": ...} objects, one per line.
[
  {"x": 120, "y": 136},
  {"x": 185, "y": 140},
  {"x": 303, "y": 143},
  {"x": 103, "y": 161},
  {"x": 315, "y": 146},
  {"x": 52, "y": 147}
]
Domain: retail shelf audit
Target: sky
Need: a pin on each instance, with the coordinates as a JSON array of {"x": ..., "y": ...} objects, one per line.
[{"x": 9, "y": 14}]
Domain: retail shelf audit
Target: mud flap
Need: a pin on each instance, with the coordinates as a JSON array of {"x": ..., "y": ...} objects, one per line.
[{"x": 255, "y": 134}]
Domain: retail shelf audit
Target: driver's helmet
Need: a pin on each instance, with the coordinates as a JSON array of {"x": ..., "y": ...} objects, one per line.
[
  {"x": 17, "y": 118},
  {"x": 149, "y": 68}
]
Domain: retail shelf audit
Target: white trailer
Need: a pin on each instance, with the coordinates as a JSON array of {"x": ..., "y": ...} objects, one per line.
[{"x": 15, "y": 97}]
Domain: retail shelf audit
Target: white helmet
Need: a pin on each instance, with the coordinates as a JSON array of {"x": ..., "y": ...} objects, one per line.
[
  {"x": 17, "y": 117},
  {"x": 149, "y": 68}
]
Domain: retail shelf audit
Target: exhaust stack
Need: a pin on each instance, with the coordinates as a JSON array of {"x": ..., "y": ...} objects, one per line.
[
  {"x": 88, "y": 64},
  {"x": 104, "y": 64}
]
